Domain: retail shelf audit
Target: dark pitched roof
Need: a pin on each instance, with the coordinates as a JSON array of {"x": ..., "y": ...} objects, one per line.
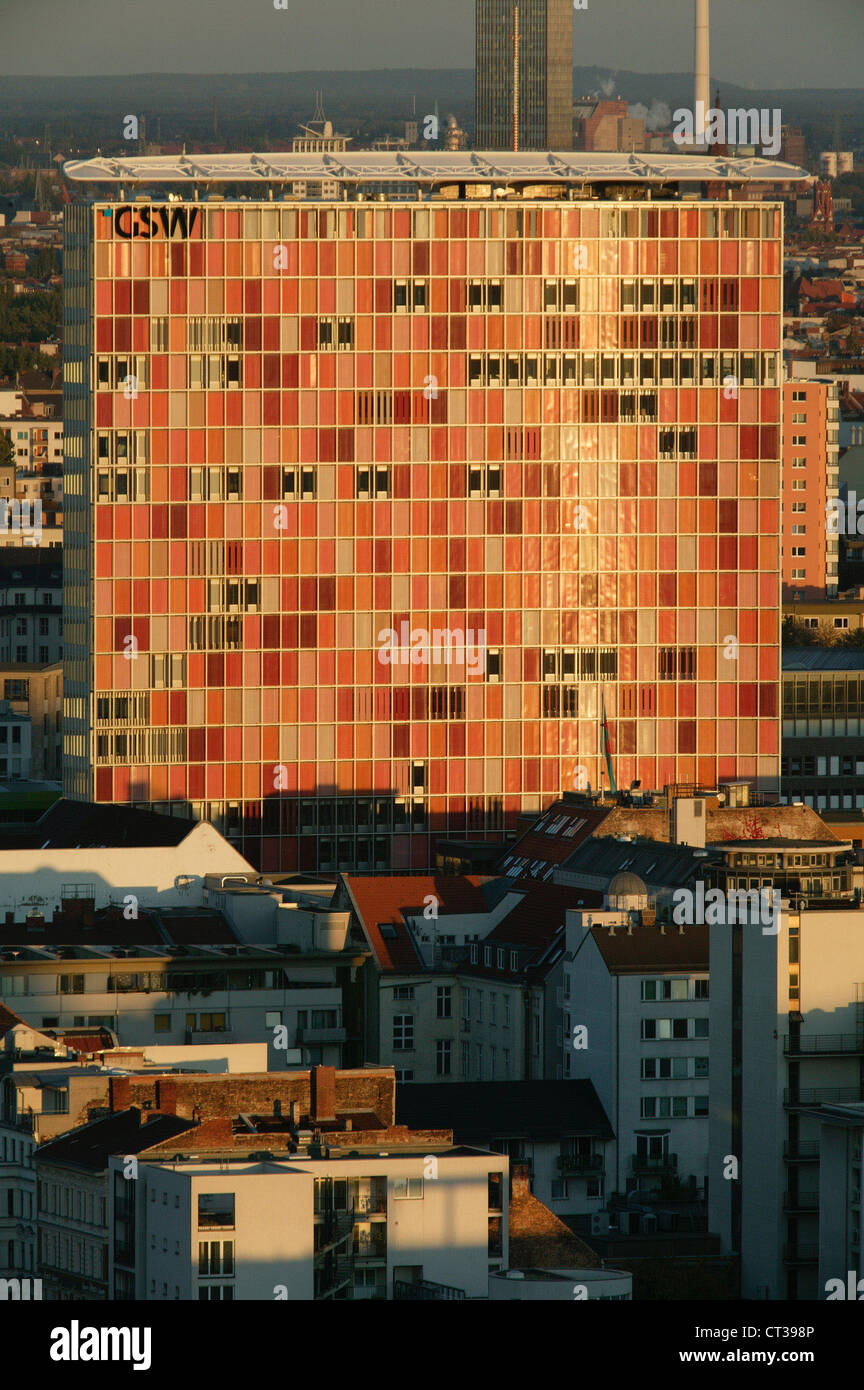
[
  {"x": 478, "y": 1111},
  {"x": 86, "y": 825},
  {"x": 551, "y": 838},
  {"x": 90, "y": 1146},
  {"x": 652, "y": 948},
  {"x": 653, "y": 861}
]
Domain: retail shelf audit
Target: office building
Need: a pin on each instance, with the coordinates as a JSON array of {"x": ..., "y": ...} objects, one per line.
[
  {"x": 375, "y": 510},
  {"x": 524, "y": 75}
]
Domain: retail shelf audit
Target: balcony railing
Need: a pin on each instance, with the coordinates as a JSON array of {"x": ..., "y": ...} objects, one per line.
[
  {"x": 800, "y": 1201},
  {"x": 425, "y": 1289},
  {"x": 822, "y": 1043},
  {"x": 801, "y": 1254},
  {"x": 661, "y": 1163},
  {"x": 370, "y": 1248},
  {"x": 371, "y": 1205},
  {"x": 802, "y": 1151},
  {"x": 824, "y": 1095},
  {"x": 581, "y": 1163}
]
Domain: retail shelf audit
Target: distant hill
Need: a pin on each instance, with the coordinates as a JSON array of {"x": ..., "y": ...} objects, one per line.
[{"x": 248, "y": 105}]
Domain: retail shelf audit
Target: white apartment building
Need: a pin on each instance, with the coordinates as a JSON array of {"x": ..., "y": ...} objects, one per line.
[
  {"x": 636, "y": 1025},
  {"x": 69, "y": 855},
  {"x": 17, "y": 1202},
  {"x": 841, "y": 1214},
  {"x": 787, "y": 1035},
  {"x": 16, "y": 733},
  {"x": 308, "y": 1228}
]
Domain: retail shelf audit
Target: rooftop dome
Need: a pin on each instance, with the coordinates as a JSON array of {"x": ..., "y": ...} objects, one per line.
[{"x": 627, "y": 885}]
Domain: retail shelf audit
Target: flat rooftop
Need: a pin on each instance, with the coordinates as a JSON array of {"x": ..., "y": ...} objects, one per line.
[{"x": 436, "y": 167}]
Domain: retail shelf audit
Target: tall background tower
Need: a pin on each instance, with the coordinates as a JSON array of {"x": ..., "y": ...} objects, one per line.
[
  {"x": 534, "y": 40},
  {"x": 702, "y": 71}
]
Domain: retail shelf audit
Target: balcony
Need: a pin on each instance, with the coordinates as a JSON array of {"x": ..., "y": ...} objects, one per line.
[
  {"x": 661, "y": 1163},
  {"x": 309, "y": 1036},
  {"x": 576, "y": 1164},
  {"x": 806, "y": 1151},
  {"x": 800, "y": 1202},
  {"x": 823, "y": 1045},
  {"x": 800, "y": 1254},
  {"x": 371, "y": 1247},
  {"x": 824, "y": 1095},
  {"x": 374, "y": 1204}
]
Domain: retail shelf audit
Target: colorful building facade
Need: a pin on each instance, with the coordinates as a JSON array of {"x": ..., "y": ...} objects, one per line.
[{"x": 372, "y": 509}]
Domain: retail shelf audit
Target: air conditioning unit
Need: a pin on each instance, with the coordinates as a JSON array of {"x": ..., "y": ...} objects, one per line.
[
  {"x": 649, "y": 1223},
  {"x": 628, "y": 1222},
  {"x": 600, "y": 1223}
]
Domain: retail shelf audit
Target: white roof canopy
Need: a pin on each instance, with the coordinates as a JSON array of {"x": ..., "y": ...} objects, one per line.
[{"x": 435, "y": 167}]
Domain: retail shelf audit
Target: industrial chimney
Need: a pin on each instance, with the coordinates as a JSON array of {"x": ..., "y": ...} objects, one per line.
[{"x": 702, "y": 72}]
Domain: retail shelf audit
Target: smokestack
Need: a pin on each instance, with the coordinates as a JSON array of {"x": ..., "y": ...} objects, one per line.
[{"x": 702, "y": 72}]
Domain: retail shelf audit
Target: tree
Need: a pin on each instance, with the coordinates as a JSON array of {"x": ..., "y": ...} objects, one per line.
[{"x": 7, "y": 453}]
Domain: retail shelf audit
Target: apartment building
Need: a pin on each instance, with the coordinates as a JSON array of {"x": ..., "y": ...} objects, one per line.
[
  {"x": 31, "y": 606},
  {"x": 358, "y": 1226},
  {"x": 17, "y": 1185},
  {"x": 823, "y": 728},
  {"x": 811, "y": 486},
  {"x": 73, "y": 1188},
  {"x": 787, "y": 1011},
  {"x": 464, "y": 976},
  {"x": 15, "y": 743},
  {"x": 637, "y": 1027},
  {"x": 557, "y": 1131},
  {"x": 37, "y": 691},
  {"x": 430, "y": 430},
  {"x": 841, "y": 1135},
  {"x": 107, "y": 856}
]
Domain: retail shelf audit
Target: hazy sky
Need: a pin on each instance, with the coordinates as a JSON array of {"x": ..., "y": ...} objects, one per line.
[{"x": 763, "y": 43}]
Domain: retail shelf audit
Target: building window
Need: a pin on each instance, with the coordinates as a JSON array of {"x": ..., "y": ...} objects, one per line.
[
  {"x": 444, "y": 1001},
  {"x": 215, "y": 1210},
  {"x": 443, "y": 1050},
  {"x": 408, "y": 1189},
  {"x": 403, "y": 1032}
]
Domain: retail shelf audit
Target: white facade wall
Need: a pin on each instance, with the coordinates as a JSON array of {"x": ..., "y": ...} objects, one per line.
[
  {"x": 445, "y": 1231},
  {"x": 158, "y": 877}
]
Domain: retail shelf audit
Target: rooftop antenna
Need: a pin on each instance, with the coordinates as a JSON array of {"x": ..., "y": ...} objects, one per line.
[
  {"x": 319, "y": 106},
  {"x": 516, "y": 77}
]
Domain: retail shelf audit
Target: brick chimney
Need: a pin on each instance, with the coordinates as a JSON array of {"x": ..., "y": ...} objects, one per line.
[
  {"x": 119, "y": 1092},
  {"x": 166, "y": 1096},
  {"x": 323, "y": 1093}
]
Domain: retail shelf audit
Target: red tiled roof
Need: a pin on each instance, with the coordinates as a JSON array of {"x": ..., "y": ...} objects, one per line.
[{"x": 387, "y": 900}]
